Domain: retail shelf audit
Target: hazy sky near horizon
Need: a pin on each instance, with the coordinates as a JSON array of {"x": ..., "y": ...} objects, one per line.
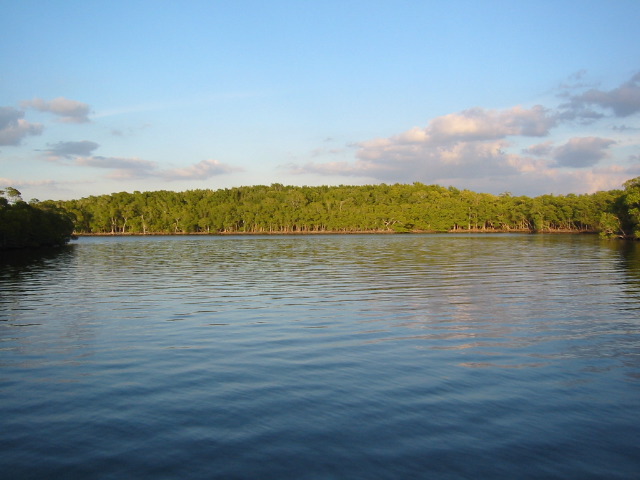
[{"x": 529, "y": 97}]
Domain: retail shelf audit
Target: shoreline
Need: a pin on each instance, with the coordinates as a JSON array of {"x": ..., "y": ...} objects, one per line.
[{"x": 355, "y": 232}]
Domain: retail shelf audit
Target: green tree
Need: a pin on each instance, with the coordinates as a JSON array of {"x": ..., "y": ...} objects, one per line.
[
  {"x": 344, "y": 208},
  {"x": 37, "y": 224},
  {"x": 631, "y": 204}
]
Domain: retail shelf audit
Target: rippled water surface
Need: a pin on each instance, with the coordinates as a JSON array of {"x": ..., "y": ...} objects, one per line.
[{"x": 351, "y": 357}]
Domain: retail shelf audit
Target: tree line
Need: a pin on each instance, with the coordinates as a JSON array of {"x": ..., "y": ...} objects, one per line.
[
  {"x": 34, "y": 224},
  {"x": 413, "y": 207}
]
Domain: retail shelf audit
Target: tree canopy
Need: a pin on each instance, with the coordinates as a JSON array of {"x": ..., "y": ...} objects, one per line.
[
  {"x": 35, "y": 224},
  {"x": 370, "y": 208}
]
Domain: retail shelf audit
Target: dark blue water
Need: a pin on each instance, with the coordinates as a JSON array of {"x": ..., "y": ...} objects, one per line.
[{"x": 321, "y": 357}]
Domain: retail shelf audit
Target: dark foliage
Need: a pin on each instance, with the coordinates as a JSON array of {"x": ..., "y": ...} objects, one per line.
[{"x": 39, "y": 224}]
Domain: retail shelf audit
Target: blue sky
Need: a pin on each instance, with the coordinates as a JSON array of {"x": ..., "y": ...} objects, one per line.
[{"x": 526, "y": 97}]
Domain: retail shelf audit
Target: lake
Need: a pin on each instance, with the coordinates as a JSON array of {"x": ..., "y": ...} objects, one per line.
[{"x": 322, "y": 357}]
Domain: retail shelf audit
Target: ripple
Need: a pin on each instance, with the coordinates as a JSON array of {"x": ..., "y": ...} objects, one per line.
[{"x": 476, "y": 356}]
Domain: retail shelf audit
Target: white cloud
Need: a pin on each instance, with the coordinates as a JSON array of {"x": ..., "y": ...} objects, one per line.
[
  {"x": 69, "y": 111},
  {"x": 475, "y": 124},
  {"x": 475, "y": 149},
  {"x": 408, "y": 163},
  {"x": 480, "y": 124},
  {"x": 13, "y": 127},
  {"x": 460, "y": 145},
  {"x": 551, "y": 180}
]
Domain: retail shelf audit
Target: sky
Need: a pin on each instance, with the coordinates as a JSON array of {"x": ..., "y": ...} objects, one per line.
[{"x": 528, "y": 97}]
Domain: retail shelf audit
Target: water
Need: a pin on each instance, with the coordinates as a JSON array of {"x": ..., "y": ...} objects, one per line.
[{"x": 320, "y": 357}]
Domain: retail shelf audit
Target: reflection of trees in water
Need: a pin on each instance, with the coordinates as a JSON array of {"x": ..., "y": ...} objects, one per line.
[
  {"x": 629, "y": 258},
  {"x": 484, "y": 301},
  {"x": 513, "y": 303},
  {"x": 18, "y": 262},
  {"x": 36, "y": 317},
  {"x": 21, "y": 271},
  {"x": 623, "y": 344}
]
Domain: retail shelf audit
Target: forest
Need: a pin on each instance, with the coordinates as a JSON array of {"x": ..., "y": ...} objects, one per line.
[
  {"x": 34, "y": 224},
  {"x": 349, "y": 209}
]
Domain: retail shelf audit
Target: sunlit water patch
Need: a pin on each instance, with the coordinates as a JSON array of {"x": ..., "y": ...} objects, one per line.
[{"x": 357, "y": 356}]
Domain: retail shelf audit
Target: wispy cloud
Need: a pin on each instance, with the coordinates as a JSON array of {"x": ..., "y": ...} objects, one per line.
[
  {"x": 199, "y": 171},
  {"x": 622, "y": 101},
  {"x": 13, "y": 126},
  {"x": 624, "y": 128},
  {"x": 20, "y": 183},
  {"x": 80, "y": 154},
  {"x": 135, "y": 168},
  {"x": 540, "y": 149},
  {"x": 577, "y": 152},
  {"x": 174, "y": 103},
  {"x": 582, "y": 152},
  {"x": 68, "y": 111},
  {"x": 71, "y": 149},
  {"x": 120, "y": 168}
]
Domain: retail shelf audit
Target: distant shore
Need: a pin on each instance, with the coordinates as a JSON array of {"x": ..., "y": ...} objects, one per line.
[{"x": 302, "y": 233}]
